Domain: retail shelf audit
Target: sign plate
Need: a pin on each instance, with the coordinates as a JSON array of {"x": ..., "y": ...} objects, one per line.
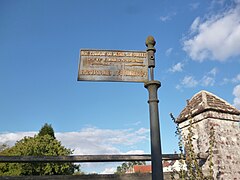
[{"x": 113, "y": 65}]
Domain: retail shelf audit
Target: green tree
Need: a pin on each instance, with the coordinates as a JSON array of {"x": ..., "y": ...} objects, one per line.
[
  {"x": 39, "y": 145},
  {"x": 47, "y": 129},
  {"x": 127, "y": 166},
  {"x": 2, "y": 147}
]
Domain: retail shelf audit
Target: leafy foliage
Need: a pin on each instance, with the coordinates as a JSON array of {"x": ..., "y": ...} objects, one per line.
[
  {"x": 38, "y": 145},
  {"x": 128, "y": 166},
  {"x": 2, "y": 147},
  {"x": 178, "y": 132},
  {"x": 47, "y": 129},
  {"x": 194, "y": 170}
]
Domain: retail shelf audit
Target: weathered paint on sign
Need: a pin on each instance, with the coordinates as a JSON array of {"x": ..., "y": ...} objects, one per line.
[{"x": 113, "y": 65}]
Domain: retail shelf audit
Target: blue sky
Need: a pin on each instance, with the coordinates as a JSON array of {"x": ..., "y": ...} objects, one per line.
[{"x": 198, "y": 47}]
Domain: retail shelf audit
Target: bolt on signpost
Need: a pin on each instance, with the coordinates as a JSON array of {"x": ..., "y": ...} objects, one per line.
[
  {"x": 152, "y": 87},
  {"x": 128, "y": 66}
]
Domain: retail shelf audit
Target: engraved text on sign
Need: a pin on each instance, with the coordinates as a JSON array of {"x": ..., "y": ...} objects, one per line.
[{"x": 113, "y": 65}]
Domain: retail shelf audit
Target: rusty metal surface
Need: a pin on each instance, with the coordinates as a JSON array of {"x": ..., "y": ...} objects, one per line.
[
  {"x": 113, "y": 65},
  {"x": 87, "y": 158},
  {"x": 134, "y": 176}
]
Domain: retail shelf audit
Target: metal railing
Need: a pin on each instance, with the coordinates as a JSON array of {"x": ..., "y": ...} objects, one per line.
[
  {"x": 87, "y": 159},
  {"x": 83, "y": 158}
]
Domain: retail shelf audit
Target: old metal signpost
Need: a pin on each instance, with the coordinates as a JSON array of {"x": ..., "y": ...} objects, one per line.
[
  {"x": 129, "y": 66},
  {"x": 106, "y": 65}
]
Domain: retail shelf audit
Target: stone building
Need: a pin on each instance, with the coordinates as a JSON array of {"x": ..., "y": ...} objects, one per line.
[{"x": 206, "y": 110}]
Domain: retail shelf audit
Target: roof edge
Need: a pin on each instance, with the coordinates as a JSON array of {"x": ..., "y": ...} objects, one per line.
[{"x": 206, "y": 107}]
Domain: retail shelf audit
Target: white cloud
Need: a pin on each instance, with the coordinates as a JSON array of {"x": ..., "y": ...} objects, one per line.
[
  {"x": 208, "y": 81},
  {"x": 177, "y": 67},
  {"x": 236, "y": 93},
  {"x": 135, "y": 152},
  {"x": 235, "y": 79},
  {"x": 91, "y": 140},
  {"x": 142, "y": 131},
  {"x": 195, "y": 25},
  {"x": 11, "y": 138},
  {"x": 168, "y": 51},
  {"x": 102, "y": 141},
  {"x": 178, "y": 86},
  {"x": 167, "y": 17},
  {"x": 109, "y": 170},
  {"x": 194, "y": 6},
  {"x": 217, "y": 38},
  {"x": 189, "y": 81},
  {"x": 219, "y": 2},
  {"x": 94, "y": 141},
  {"x": 213, "y": 71},
  {"x": 209, "y": 78},
  {"x": 137, "y": 123}
]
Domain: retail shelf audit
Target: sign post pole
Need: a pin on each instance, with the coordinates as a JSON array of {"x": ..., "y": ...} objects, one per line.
[
  {"x": 152, "y": 87},
  {"x": 128, "y": 66}
]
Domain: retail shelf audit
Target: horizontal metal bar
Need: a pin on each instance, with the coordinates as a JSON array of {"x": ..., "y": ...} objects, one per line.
[
  {"x": 85, "y": 158},
  {"x": 133, "y": 176}
]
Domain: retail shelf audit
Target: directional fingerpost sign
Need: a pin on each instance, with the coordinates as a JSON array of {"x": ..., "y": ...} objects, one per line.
[
  {"x": 129, "y": 66},
  {"x": 113, "y": 65}
]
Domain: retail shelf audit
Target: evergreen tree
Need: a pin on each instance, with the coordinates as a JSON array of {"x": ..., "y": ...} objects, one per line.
[{"x": 47, "y": 129}]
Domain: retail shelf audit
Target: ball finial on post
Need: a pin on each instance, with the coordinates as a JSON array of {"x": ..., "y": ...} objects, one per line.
[{"x": 150, "y": 43}]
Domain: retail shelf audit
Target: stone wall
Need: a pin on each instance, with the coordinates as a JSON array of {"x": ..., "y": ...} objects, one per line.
[{"x": 226, "y": 151}]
